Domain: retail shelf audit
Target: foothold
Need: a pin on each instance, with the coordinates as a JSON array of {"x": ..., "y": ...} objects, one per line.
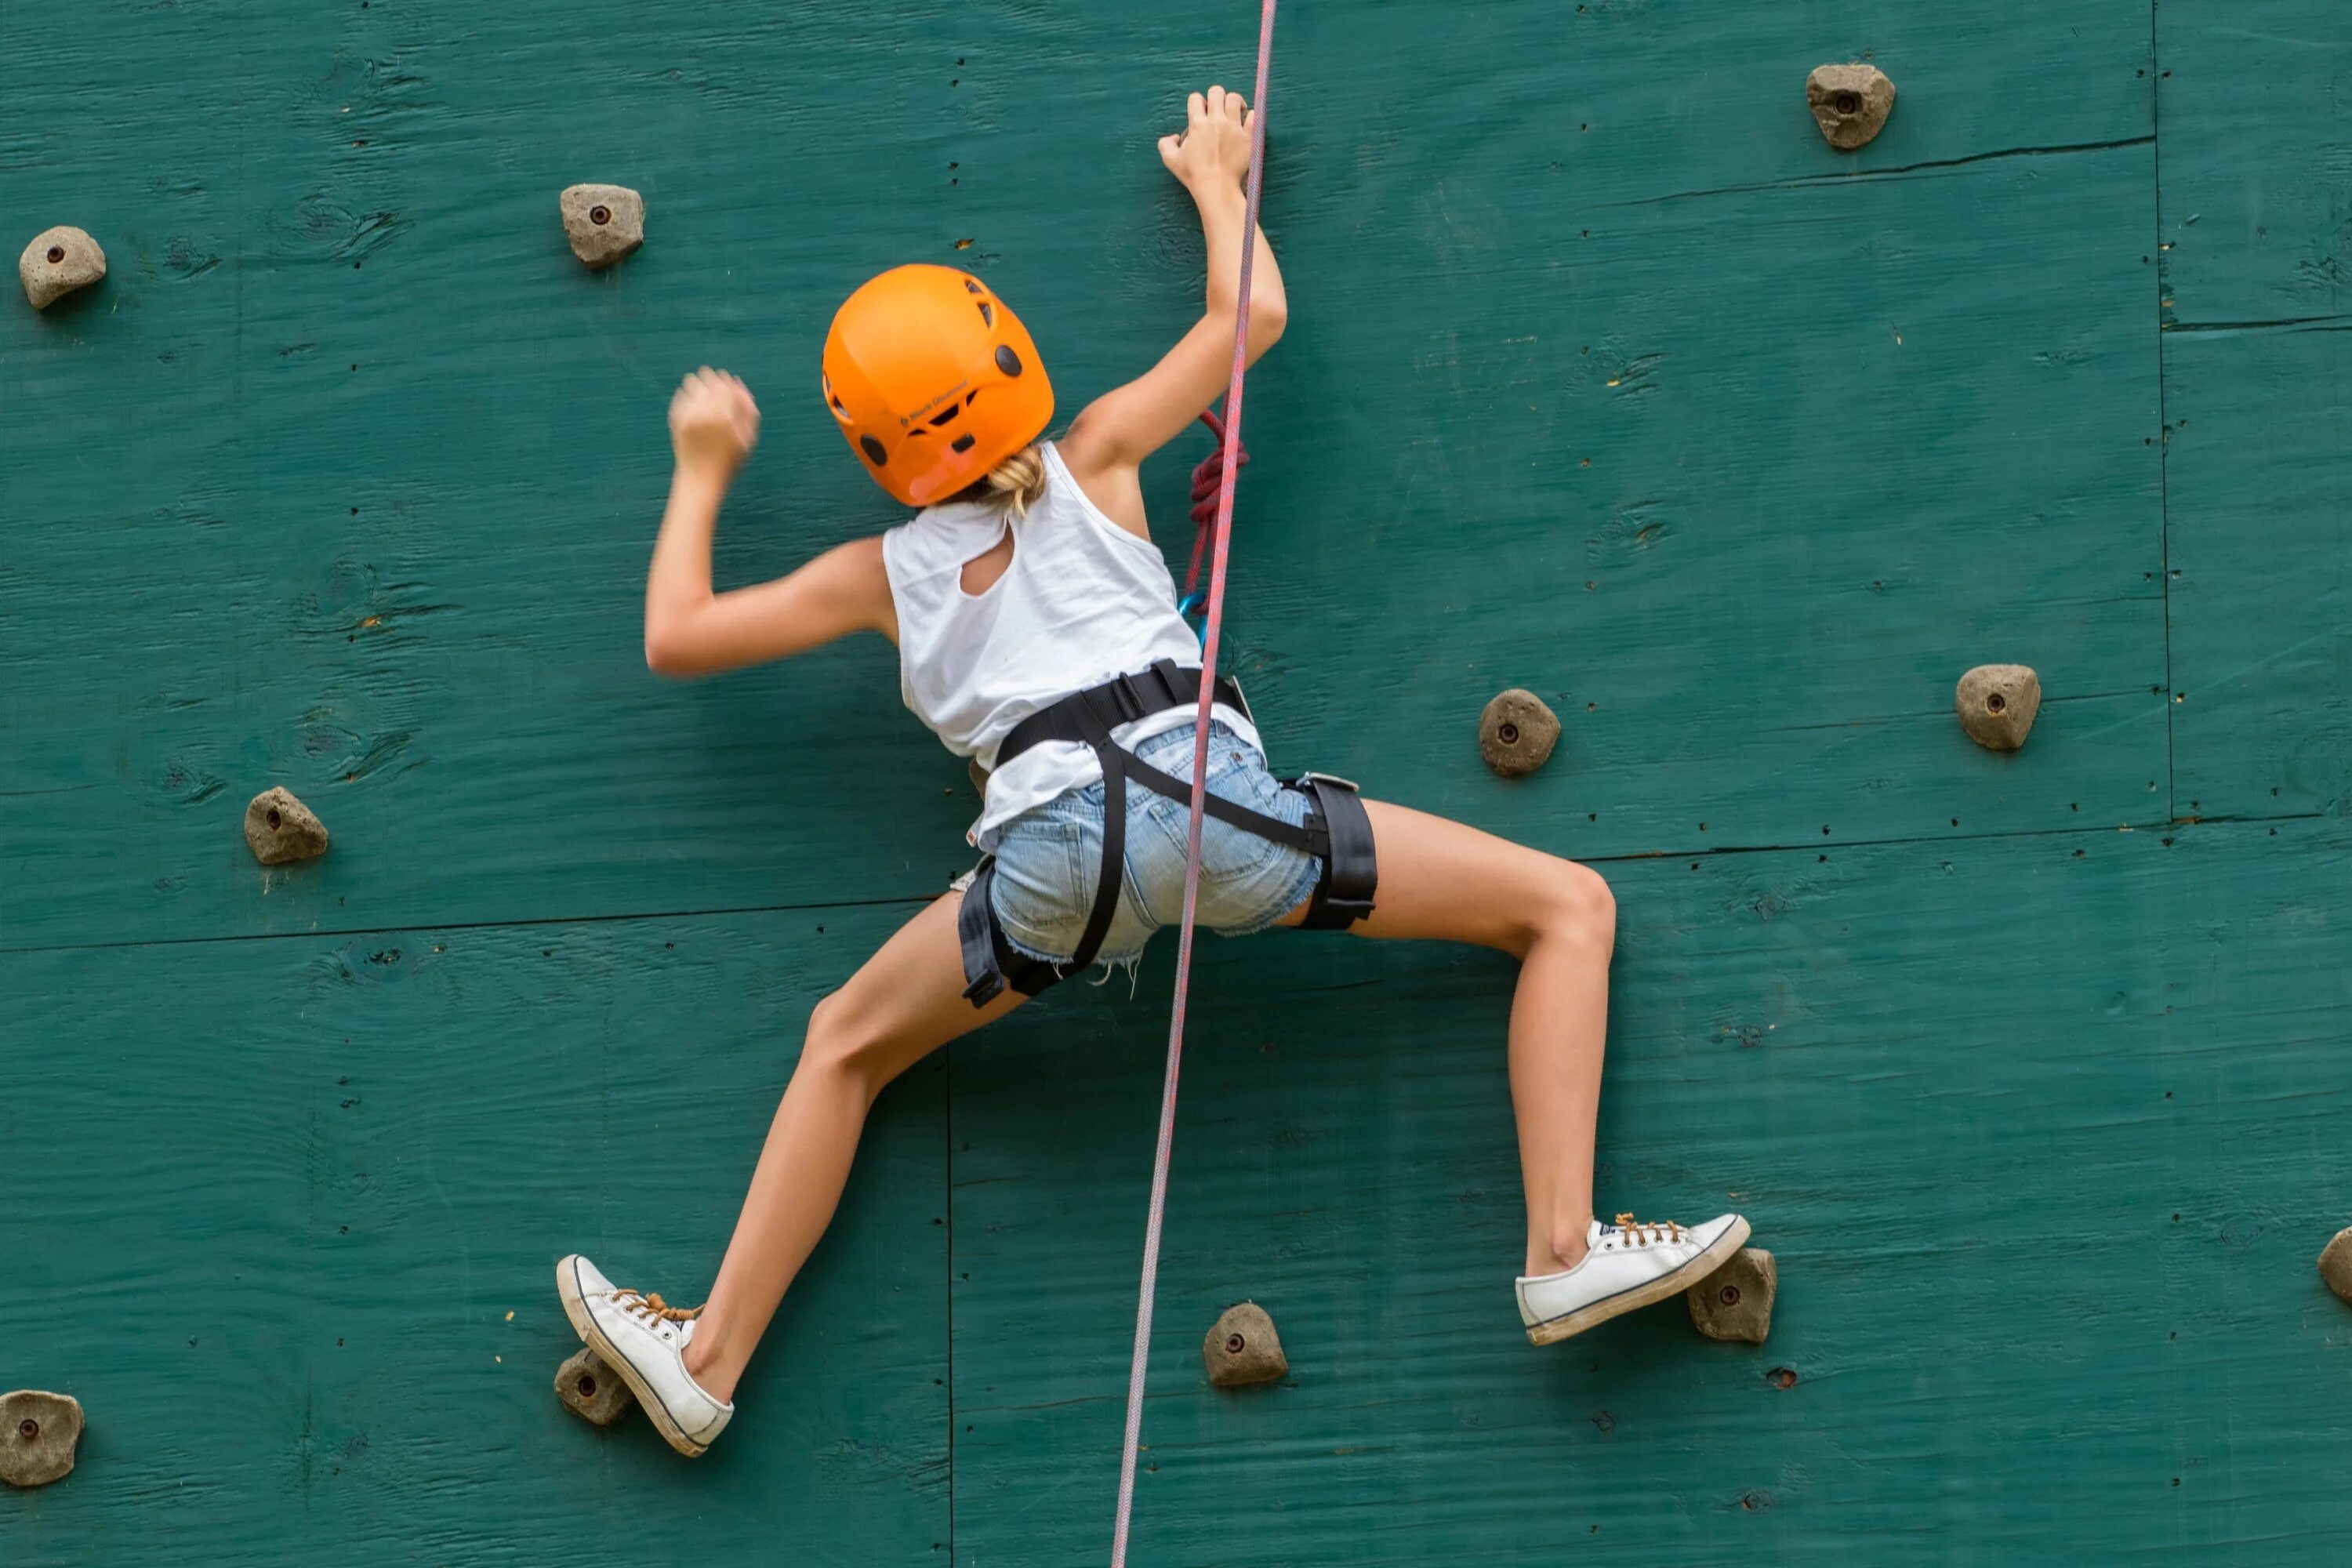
[
  {"x": 1997, "y": 703},
  {"x": 59, "y": 261},
  {"x": 979, "y": 775},
  {"x": 1516, "y": 733},
  {"x": 1850, "y": 103},
  {"x": 605, "y": 223},
  {"x": 1242, "y": 1350},
  {"x": 2336, "y": 1264},
  {"x": 37, "y": 1435},
  {"x": 1735, "y": 1302},
  {"x": 281, "y": 828},
  {"x": 592, "y": 1391}
]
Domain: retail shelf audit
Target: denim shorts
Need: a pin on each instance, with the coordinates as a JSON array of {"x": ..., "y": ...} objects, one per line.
[{"x": 1048, "y": 859}]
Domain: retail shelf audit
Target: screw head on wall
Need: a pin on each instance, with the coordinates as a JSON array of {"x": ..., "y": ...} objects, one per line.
[
  {"x": 1997, "y": 703},
  {"x": 1735, "y": 1302},
  {"x": 1850, "y": 103},
  {"x": 38, "y": 1433},
  {"x": 59, "y": 261},
  {"x": 281, "y": 828},
  {"x": 1242, "y": 1350},
  {"x": 1516, "y": 733},
  {"x": 603, "y": 223}
]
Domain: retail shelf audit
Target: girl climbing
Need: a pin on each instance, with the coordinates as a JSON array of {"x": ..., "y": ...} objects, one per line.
[{"x": 1038, "y": 633}]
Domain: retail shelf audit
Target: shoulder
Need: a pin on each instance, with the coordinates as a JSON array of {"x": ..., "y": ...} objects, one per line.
[{"x": 1110, "y": 495}]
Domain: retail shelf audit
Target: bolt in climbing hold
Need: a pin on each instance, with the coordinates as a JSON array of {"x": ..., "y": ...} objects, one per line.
[
  {"x": 59, "y": 261},
  {"x": 1997, "y": 703},
  {"x": 1850, "y": 103},
  {"x": 1516, "y": 733},
  {"x": 591, "y": 1390},
  {"x": 37, "y": 1435},
  {"x": 1735, "y": 1302},
  {"x": 1242, "y": 1349},
  {"x": 605, "y": 223},
  {"x": 2336, "y": 1264},
  {"x": 281, "y": 828}
]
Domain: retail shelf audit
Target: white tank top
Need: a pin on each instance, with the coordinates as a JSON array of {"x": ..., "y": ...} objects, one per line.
[{"x": 1083, "y": 601}]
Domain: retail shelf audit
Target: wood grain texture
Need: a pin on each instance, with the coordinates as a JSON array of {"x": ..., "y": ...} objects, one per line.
[
  {"x": 2257, "y": 300},
  {"x": 295, "y": 1230},
  {"x": 362, "y": 465},
  {"x": 2039, "y": 1129},
  {"x": 1605, "y": 377}
]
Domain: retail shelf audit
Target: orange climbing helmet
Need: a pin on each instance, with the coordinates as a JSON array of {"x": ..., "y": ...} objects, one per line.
[{"x": 934, "y": 381}]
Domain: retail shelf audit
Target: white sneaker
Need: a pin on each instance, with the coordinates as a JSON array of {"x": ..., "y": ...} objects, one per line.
[
  {"x": 1626, "y": 1264},
  {"x": 644, "y": 1339}
]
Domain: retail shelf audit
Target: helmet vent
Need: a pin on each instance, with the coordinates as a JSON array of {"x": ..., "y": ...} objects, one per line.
[
  {"x": 944, "y": 415},
  {"x": 963, "y": 443},
  {"x": 987, "y": 313},
  {"x": 873, "y": 451},
  {"x": 972, "y": 284},
  {"x": 1007, "y": 361}
]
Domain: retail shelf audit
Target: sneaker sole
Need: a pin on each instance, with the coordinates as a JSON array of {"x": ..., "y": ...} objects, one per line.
[
  {"x": 1554, "y": 1330},
  {"x": 575, "y": 1307}
]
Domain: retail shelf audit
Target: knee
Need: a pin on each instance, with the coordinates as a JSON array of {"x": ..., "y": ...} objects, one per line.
[
  {"x": 843, "y": 1041},
  {"x": 1577, "y": 908}
]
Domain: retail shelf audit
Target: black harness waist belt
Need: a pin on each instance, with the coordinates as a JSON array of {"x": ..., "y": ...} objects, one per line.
[{"x": 1337, "y": 831}]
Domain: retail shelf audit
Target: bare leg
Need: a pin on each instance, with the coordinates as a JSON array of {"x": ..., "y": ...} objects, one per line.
[
  {"x": 1440, "y": 879},
  {"x": 903, "y": 1004}
]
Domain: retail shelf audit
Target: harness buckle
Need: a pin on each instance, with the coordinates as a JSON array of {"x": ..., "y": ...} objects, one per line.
[{"x": 1347, "y": 784}]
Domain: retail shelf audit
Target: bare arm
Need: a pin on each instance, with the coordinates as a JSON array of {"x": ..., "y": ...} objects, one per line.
[
  {"x": 689, "y": 629},
  {"x": 1111, "y": 438}
]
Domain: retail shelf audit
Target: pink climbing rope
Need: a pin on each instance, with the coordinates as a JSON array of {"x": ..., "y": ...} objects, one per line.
[{"x": 1229, "y": 468}]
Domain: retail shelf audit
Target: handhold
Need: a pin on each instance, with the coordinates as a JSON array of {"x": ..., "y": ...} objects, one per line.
[
  {"x": 37, "y": 1434},
  {"x": 1850, "y": 103},
  {"x": 605, "y": 223},
  {"x": 979, "y": 775},
  {"x": 281, "y": 828},
  {"x": 1735, "y": 1302},
  {"x": 2336, "y": 1264},
  {"x": 592, "y": 1391},
  {"x": 1242, "y": 1349},
  {"x": 1997, "y": 703},
  {"x": 59, "y": 261},
  {"x": 1516, "y": 733}
]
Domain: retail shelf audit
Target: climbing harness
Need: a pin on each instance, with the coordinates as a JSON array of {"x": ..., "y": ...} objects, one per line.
[
  {"x": 1336, "y": 831},
  {"x": 1140, "y": 1358}
]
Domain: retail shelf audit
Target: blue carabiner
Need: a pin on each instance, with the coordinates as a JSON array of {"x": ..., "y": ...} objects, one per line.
[{"x": 1191, "y": 605}]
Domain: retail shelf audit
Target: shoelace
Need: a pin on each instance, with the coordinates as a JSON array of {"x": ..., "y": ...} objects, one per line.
[
  {"x": 1647, "y": 1231},
  {"x": 652, "y": 1308}
]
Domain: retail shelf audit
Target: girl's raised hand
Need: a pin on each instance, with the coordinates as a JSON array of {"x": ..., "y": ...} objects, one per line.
[
  {"x": 1215, "y": 143},
  {"x": 713, "y": 422}
]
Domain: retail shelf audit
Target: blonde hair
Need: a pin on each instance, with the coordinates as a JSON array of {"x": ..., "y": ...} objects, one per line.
[{"x": 1014, "y": 485}]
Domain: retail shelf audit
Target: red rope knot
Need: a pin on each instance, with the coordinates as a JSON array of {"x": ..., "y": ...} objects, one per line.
[
  {"x": 1210, "y": 472},
  {"x": 1208, "y": 478}
]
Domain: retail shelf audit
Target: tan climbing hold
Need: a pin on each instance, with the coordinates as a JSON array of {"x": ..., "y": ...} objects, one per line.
[
  {"x": 1735, "y": 1302},
  {"x": 978, "y": 775},
  {"x": 281, "y": 828},
  {"x": 605, "y": 223},
  {"x": 1516, "y": 733},
  {"x": 59, "y": 261},
  {"x": 1997, "y": 703},
  {"x": 37, "y": 1435},
  {"x": 2336, "y": 1264},
  {"x": 591, "y": 1390},
  {"x": 1850, "y": 103},
  {"x": 1242, "y": 1350}
]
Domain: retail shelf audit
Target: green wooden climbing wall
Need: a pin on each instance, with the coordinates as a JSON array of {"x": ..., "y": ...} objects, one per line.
[{"x": 1606, "y": 376}]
